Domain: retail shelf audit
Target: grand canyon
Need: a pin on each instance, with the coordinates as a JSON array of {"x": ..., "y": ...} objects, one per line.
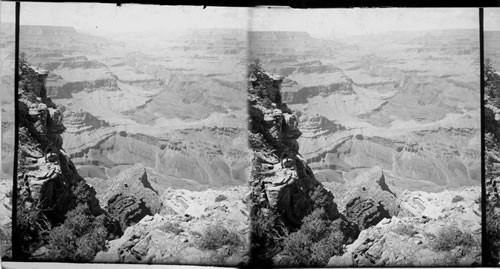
[
  {"x": 228, "y": 146},
  {"x": 407, "y": 102}
]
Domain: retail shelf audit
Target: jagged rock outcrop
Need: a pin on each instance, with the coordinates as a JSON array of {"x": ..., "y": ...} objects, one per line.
[
  {"x": 131, "y": 196},
  {"x": 280, "y": 179},
  {"x": 283, "y": 186},
  {"x": 365, "y": 212},
  {"x": 369, "y": 199},
  {"x": 46, "y": 175}
]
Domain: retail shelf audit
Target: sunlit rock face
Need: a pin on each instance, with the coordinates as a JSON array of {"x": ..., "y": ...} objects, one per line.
[{"x": 403, "y": 104}]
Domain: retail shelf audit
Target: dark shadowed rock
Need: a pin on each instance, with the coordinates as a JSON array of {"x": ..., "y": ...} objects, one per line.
[
  {"x": 369, "y": 199},
  {"x": 365, "y": 212},
  {"x": 127, "y": 209},
  {"x": 46, "y": 174},
  {"x": 131, "y": 196}
]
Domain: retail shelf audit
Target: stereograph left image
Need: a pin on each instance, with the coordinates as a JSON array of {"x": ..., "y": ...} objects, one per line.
[{"x": 132, "y": 134}]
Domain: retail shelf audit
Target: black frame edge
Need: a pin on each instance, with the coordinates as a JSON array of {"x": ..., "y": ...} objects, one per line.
[
  {"x": 15, "y": 242},
  {"x": 484, "y": 244}
]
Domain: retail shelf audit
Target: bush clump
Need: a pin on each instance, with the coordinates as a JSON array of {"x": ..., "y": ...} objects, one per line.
[
  {"x": 405, "y": 229},
  {"x": 170, "y": 227},
  {"x": 220, "y": 198},
  {"x": 267, "y": 235},
  {"x": 216, "y": 236},
  {"x": 451, "y": 236},
  {"x": 317, "y": 240},
  {"x": 79, "y": 238},
  {"x": 32, "y": 226},
  {"x": 457, "y": 199}
]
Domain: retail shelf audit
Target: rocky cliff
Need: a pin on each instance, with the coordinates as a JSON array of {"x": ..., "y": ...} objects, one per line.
[
  {"x": 46, "y": 173},
  {"x": 280, "y": 179},
  {"x": 492, "y": 163},
  {"x": 283, "y": 186},
  {"x": 48, "y": 183}
]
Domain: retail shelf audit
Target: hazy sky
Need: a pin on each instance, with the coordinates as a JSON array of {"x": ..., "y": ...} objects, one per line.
[
  {"x": 7, "y": 11},
  {"x": 363, "y": 21},
  {"x": 319, "y": 22},
  {"x": 95, "y": 17},
  {"x": 492, "y": 19}
]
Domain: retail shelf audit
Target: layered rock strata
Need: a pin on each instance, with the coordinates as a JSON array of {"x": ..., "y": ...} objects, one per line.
[
  {"x": 369, "y": 199},
  {"x": 131, "y": 196}
]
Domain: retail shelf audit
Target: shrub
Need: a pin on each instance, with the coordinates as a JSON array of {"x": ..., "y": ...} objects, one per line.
[
  {"x": 451, "y": 236},
  {"x": 216, "y": 236},
  {"x": 457, "y": 199},
  {"x": 405, "y": 229},
  {"x": 493, "y": 234},
  {"x": 317, "y": 240},
  {"x": 254, "y": 66},
  {"x": 170, "y": 227},
  {"x": 267, "y": 234},
  {"x": 220, "y": 198},
  {"x": 297, "y": 249},
  {"x": 32, "y": 225},
  {"x": 327, "y": 247},
  {"x": 79, "y": 238}
]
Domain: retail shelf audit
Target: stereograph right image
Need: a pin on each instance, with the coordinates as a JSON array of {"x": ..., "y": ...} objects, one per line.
[
  {"x": 365, "y": 124},
  {"x": 492, "y": 133}
]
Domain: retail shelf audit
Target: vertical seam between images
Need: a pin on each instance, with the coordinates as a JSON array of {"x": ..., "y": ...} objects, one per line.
[
  {"x": 484, "y": 245},
  {"x": 15, "y": 242}
]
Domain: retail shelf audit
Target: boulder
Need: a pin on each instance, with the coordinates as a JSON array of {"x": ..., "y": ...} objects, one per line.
[
  {"x": 131, "y": 196},
  {"x": 368, "y": 198}
]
